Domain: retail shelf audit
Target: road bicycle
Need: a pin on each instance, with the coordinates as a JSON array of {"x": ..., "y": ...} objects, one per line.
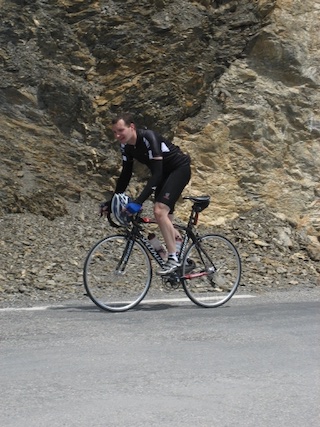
[{"x": 118, "y": 269}]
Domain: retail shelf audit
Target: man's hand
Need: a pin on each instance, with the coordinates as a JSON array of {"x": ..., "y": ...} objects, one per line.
[{"x": 133, "y": 207}]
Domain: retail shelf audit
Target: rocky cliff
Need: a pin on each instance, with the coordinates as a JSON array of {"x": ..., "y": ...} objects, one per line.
[{"x": 235, "y": 83}]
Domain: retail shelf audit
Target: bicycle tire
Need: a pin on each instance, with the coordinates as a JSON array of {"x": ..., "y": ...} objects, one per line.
[
  {"x": 112, "y": 283},
  {"x": 211, "y": 271}
]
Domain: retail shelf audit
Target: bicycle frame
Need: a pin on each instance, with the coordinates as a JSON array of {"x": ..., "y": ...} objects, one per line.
[
  {"x": 206, "y": 282},
  {"x": 151, "y": 250},
  {"x": 135, "y": 234}
]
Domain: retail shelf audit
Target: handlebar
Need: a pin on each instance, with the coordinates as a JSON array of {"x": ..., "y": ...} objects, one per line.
[{"x": 136, "y": 219}]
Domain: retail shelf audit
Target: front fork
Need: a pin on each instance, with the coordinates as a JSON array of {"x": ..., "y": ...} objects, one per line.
[{"x": 121, "y": 266}]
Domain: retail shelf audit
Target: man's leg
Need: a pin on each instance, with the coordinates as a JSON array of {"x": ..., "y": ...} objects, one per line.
[
  {"x": 161, "y": 213},
  {"x": 166, "y": 199},
  {"x": 177, "y": 235}
]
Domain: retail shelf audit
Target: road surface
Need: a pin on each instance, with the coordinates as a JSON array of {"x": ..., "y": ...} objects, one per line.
[{"x": 252, "y": 363}]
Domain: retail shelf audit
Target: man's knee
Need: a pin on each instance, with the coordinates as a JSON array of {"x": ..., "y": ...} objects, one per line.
[{"x": 160, "y": 210}]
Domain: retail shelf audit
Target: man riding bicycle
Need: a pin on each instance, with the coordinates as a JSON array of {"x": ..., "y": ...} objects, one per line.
[{"x": 170, "y": 173}]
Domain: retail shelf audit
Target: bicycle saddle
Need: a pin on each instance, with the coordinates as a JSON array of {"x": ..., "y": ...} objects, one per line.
[{"x": 200, "y": 202}]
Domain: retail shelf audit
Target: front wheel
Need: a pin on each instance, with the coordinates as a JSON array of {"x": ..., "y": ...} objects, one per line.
[
  {"x": 117, "y": 273},
  {"x": 211, "y": 271}
]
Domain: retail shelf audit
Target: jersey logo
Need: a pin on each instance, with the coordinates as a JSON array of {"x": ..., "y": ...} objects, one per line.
[
  {"x": 164, "y": 148},
  {"x": 167, "y": 196}
]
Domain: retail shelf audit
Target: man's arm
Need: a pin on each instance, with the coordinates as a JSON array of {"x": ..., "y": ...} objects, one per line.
[
  {"x": 155, "y": 179},
  {"x": 125, "y": 176}
]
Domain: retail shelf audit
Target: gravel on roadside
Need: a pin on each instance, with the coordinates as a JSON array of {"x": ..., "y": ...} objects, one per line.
[{"x": 42, "y": 260}]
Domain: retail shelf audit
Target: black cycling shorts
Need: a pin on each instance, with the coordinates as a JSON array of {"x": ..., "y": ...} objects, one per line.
[{"x": 169, "y": 191}]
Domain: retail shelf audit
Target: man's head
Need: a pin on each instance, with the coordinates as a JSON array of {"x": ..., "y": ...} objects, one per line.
[{"x": 124, "y": 128}]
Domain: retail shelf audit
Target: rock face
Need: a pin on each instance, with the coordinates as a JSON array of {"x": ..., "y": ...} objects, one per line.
[{"x": 235, "y": 83}]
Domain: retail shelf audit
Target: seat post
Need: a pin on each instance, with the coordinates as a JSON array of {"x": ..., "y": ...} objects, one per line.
[{"x": 193, "y": 218}]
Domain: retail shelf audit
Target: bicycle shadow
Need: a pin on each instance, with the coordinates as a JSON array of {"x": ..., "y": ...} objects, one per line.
[{"x": 142, "y": 307}]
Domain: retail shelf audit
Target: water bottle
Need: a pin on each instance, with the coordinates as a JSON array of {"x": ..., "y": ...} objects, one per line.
[
  {"x": 178, "y": 245},
  {"x": 157, "y": 245}
]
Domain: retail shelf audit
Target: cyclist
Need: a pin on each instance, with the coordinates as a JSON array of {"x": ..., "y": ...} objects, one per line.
[{"x": 170, "y": 173}]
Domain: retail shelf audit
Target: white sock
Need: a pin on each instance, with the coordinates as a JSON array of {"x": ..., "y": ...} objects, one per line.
[{"x": 173, "y": 256}]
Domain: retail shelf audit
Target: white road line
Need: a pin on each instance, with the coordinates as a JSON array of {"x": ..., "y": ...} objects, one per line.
[
  {"x": 186, "y": 299},
  {"x": 40, "y": 308},
  {"x": 146, "y": 301}
]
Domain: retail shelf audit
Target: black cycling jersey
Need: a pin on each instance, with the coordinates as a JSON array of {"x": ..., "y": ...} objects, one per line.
[{"x": 149, "y": 147}]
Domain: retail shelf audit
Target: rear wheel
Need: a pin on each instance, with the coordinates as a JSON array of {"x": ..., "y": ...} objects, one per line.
[
  {"x": 117, "y": 273},
  {"x": 211, "y": 271}
]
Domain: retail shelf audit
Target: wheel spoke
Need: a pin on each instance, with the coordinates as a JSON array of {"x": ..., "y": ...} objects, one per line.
[
  {"x": 215, "y": 271},
  {"x": 115, "y": 279}
]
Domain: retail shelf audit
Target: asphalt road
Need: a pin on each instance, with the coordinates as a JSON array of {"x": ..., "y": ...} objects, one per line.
[{"x": 254, "y": 362}]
